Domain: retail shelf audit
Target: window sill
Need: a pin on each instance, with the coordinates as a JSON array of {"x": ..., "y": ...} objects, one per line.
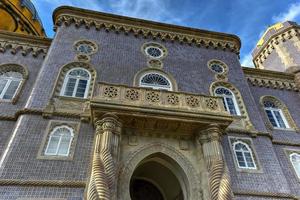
[
  {"x": 46, "y": 157},
  {"x": 73, "y": 98},
  {"x": 284, "y": 129}
]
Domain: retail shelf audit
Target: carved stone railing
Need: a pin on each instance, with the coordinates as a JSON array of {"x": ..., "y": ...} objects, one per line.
[
  {"x": 160, "y": 99},
  {"x": 146, "y": 108}
]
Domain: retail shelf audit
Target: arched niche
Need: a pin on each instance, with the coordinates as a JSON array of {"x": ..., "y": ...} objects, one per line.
[{"x": 168, "y": 164}]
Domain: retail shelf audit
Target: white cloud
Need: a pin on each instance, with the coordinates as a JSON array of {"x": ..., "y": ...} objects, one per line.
[
  {"x": 88, "y": 4},
  {"x": 290, "y": 15},
  {"x": 247, "y": 61},
  {"x": 157, "y": 10}
]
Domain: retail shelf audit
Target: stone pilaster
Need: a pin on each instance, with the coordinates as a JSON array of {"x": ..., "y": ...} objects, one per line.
[
  {"x": 103, "y": 180},
  {"x": 219, "y": 179}
]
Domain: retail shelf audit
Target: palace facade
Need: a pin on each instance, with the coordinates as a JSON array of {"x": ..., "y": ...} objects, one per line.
[{"x": 117, "y": 108}]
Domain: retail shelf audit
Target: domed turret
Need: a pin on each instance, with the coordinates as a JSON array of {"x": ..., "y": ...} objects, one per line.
[{"x": 20, "y": 16}]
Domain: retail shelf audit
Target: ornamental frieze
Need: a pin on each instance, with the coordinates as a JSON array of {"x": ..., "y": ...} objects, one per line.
[{"x": 137, "y": 27}]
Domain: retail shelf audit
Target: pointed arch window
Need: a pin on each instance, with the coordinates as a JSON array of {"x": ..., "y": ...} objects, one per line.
[
  {"x": 243, "y": 155},
  {"x": 155, "y": 81},
  {"x": 229, "y": 100},
  {"x": 9, "y": 84},
  {"x": 60, "y": 141},
  {"x": 295, "y": 160},
  {"x": 76, "y": 83},
  {"x": 275, "y": 115}
]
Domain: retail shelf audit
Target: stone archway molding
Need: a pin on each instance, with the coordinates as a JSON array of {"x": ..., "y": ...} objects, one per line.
[{"x": 192, "y": 182}]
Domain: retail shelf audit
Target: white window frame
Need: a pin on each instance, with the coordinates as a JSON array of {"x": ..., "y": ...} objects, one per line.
[
  {"x": 249, "y": 151},
  {"x": 237, "y": 109},
  {"x": 71, "y": 131},
  {"x": 66, "y": 78},
  {"x": 155, "y": 87},
  {"x": 296, "y": 171},
  {"x": 7, "y": 84},
  {"x": 275, "y": 118}
]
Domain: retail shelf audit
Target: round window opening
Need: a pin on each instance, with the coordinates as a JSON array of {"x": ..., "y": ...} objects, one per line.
[
  {"x": 85, "y": 49},
  {"x": 154, "y": 52},
  {"x": 217, "y": 68}
]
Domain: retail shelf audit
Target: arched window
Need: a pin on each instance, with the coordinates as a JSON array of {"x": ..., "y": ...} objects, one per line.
[
  {"x": 228, "y": 100},
  {"x": 275, "y": 114},
  {"x": 76, "y": 83},
  {"x": 155, "y": 81},
  {"x": 60, "y": 141},
  {"x": 295, "y": 160},
  {"x": 243, "y": 155},
  {"x": 9, "y": 83}
]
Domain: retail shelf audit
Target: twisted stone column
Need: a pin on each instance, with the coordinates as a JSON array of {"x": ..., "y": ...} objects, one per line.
[
  {"x": 219, "y": 179},
  {"x": 103, "y": 179}
]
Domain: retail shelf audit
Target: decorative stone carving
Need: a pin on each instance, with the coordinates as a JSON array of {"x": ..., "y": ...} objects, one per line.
[
  {"x": 211, "y": 103},
  {"x": 110, "y": 92},
  {"x": 192, "y": 101},
  {"x": 148, "y": 29},
  {"x": 132, "y": 95},
  {"x": 103, "y": 179},
  {"x": 219, "y": 179},
  {"x": 173, "y": 99},
  {"x": 271, "y": 79},
  {"x": 152, "y": 96}
]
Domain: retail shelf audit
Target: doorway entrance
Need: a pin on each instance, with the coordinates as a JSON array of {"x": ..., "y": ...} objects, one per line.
[{"x": 157, "y": 178}]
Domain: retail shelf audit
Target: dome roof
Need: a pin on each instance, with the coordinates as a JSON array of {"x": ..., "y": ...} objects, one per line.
[{"x": 20, "y": 16}]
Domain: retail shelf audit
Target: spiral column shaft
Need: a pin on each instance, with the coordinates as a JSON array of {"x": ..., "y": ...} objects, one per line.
[
  {"x": 219, "y": 179},
  {"x": 103, "y": 179}
]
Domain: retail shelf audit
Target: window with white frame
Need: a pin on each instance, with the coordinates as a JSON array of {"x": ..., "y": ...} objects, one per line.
[
  {"x": 76, "y": 83},
  {"x": 9, "y": 84},
  {"x": 155, "y": 81},
  {"x": 275, "y": 115},
  {"x": 60, "y": 141},
  {"x": 243, "y": 155},
  {"x": 229, "y": 100},
  {"x": 295, "y": 160}
]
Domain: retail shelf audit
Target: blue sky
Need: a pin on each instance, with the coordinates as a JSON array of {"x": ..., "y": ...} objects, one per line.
[{"x": 246, "y": 18}]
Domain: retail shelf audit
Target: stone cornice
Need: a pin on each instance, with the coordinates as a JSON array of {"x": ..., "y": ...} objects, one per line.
[
  {"x": 109, "y": 22},
  {"x": 270, "y": 79},
  {"x": 25, "y": 43}
]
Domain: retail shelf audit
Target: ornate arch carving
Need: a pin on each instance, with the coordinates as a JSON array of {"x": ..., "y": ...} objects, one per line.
[
  {"x": 66, "y": 68},
  {"x": 144, "y": 71},
  {"x": 239, "y": 100},
  {"x": 16, "y": 68},
  {"x": 126, "y": 170},
  {"x": 284, "y": 110}
]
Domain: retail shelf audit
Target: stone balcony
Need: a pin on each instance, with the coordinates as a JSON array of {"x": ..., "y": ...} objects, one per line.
[{"x": 145, "y": 108}]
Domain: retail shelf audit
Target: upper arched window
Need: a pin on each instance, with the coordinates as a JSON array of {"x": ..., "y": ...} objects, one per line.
[
  {"x": 295, "y": 160},
  {"x": 243, "y": 155},
  {"x": 60, "y": 141},
  {"x": 228, "y": 100},
  {"x": 155, "y": 81},
  {"x": 9, "y": 83},
  {"x": 275, "y": 114},
  {"x": 76, "y": 83}
]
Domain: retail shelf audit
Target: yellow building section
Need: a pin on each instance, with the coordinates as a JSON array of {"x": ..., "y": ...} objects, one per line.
[
  {"x": 20, "y": 16},
  {"x": 276, "y": 27}
]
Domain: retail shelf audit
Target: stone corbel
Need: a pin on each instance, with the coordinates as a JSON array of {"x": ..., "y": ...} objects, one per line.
[
  {"x": 103, "y": 179},
  {"x": 219, "y": 179}
]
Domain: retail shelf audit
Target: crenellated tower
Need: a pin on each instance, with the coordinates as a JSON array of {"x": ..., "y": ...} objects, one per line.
[{"x": 279, "y": 49}]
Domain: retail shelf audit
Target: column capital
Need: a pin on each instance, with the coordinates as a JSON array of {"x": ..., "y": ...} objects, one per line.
[
  {"x": 211, "y": 133},
  {"x": 108, "y": 122}
]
